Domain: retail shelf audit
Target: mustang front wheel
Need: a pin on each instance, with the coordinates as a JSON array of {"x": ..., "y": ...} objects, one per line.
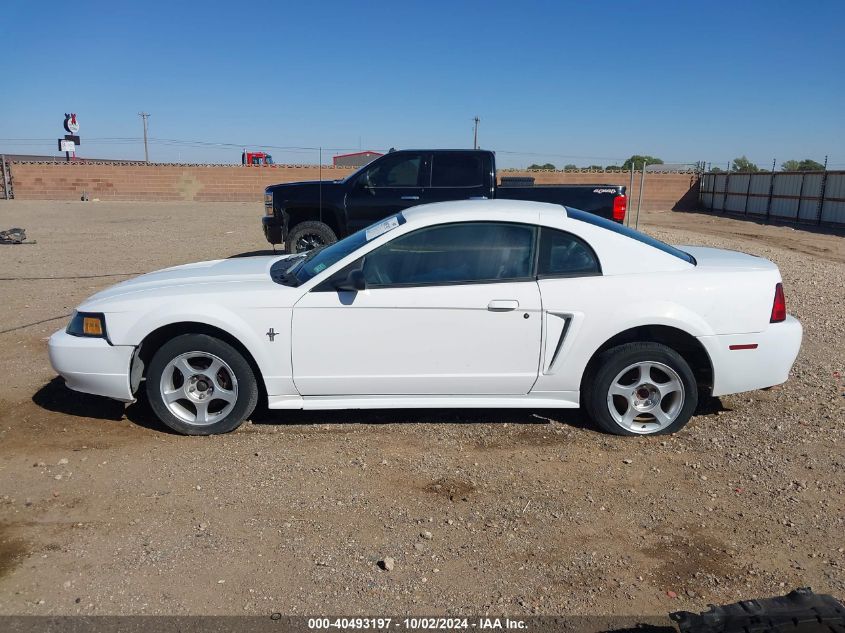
[
  {"x": 200, "y": 385},
  {"x": 642, "y": 389}
]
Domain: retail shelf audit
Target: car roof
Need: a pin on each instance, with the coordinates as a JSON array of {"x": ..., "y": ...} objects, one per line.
[
  {"x": 493, "y": 210},
  {"x": 620, "y": 251}
]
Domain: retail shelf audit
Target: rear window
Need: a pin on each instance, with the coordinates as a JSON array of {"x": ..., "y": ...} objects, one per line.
[
  {"x": 457, "y": 170},
  {"x": 595, "y": 220}
]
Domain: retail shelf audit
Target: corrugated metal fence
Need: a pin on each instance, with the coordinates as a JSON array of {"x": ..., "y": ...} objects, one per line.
[
  {"x": 808, "y": 197},
  {"x": 5, "y": 179}
]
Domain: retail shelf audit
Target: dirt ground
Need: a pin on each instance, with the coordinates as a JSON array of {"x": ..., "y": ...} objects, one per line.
[{"x": 102, "y": 511}]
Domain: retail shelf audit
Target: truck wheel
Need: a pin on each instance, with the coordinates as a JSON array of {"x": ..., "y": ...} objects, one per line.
[
  {"x": 641, "y": 389},
  {"x": 307, "y": 235},
  {"x": 200, "y": 385}
]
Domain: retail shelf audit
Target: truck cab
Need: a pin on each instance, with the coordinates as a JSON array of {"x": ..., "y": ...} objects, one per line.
[
  {"x": 404, "y": 179},
  {"x": 256, "y": 158},
  {"x": 306, "y": 215}
]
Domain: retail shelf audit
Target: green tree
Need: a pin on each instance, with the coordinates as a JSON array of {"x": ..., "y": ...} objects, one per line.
[
  {"x": 716, "y": 170},
  {"x": 810, "y": 165},
  {"x": 596, "y": 167},
  {"x": 570, "y": 167},
  {"x": 743, "y": 164},
  {"x": 637, "y": 161},
  {"x": 543, "y": 166},
  {"x": 802, "y": 165}
]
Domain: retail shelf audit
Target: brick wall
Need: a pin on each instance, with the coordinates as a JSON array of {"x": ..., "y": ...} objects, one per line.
[{"x": 69, "y": 181}]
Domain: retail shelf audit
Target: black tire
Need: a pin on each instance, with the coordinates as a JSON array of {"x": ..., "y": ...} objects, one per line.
[
  {"x": 307, "y": 235},
  {"x": 247, "y": 386},
  {"x": 613, "y": 361}
]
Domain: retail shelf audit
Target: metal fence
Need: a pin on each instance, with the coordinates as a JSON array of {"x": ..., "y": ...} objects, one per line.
[
  {"x": 5, "y": 179},
  {"x": 809, "y": 197}
]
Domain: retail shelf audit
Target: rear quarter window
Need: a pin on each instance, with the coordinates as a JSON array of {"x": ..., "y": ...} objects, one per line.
[
  {"x": 565, "y": 255},
  {"x": 595, "y": 220}
]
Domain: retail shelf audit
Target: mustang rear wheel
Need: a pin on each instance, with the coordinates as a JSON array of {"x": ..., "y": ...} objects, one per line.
[
  {"x": 200, "y": 385},
  {"x": 641, "y": 389}
]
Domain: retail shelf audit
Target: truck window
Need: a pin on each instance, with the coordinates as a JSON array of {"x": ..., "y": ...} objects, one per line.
[
  {"x": 399, "y": 171},
  {"x": 457, "y": 170}
]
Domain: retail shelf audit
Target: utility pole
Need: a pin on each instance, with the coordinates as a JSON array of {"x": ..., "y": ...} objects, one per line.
[
  {"x": 144, "y": 116},
  {"x": 640, "y": 197},
  {"x": 475, "y": 134},
  {"x": 822, "y": 190}
]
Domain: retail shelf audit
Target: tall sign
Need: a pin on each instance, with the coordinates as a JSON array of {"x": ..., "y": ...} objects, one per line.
[
  {"x": 69, "y": 143},
  {"x": 71, "y": 124}
]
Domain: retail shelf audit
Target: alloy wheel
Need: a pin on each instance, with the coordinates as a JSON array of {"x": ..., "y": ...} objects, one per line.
[
  {"x": 199, "y": 388},
  {"x": 645, "y": 397},
  {"x": 308, "y": 241}
]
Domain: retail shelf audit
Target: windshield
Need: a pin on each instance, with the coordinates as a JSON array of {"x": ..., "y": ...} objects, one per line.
[
  {"x": 595, "y": 220},
  {"x": 296, "y": 271}
]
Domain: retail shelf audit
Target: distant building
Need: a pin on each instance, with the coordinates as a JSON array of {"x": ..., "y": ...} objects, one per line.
[{"x": 358, "y": 159}]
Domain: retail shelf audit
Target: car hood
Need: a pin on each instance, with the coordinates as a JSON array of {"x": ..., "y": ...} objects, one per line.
[
  {"x": 190, "y": 279},
  {"x": 305, "y": 188}
]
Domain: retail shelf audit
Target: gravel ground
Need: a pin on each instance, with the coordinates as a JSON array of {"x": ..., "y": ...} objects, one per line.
[{"x": 102, "y": 511}]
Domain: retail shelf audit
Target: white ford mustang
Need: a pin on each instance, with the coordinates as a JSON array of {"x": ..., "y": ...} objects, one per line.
[{"x": 458, "y": 304}]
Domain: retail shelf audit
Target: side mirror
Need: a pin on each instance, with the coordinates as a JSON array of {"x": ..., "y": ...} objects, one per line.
[{"x": 353, "y": 282}]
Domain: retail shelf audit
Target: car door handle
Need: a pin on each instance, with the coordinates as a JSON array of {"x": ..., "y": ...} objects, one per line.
[
  {"x": 502, "y": 305},
  {"x": 410, "y": 197}
]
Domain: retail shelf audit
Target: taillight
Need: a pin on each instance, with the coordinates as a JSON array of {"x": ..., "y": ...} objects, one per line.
[
  {"x": 779, "y": 305},
  {"x": 620, "y": 205}
]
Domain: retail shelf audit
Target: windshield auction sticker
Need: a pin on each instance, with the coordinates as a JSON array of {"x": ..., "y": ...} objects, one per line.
[{"x": 381, "y": 228}]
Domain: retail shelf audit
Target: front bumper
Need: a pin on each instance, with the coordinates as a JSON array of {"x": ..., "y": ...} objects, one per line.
[
  {"x": 274, "y": 229},
  {"x": 766, "y": 365},
  {"x": 91, "y": 365}
]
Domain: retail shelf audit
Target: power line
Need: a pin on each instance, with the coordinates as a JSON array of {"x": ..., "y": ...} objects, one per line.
[{"x": 128, "y": 140}]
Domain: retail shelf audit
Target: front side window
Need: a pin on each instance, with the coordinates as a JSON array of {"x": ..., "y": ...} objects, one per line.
[
  {"x": 565, "y": 255},
  {"x": 469, "y": 252},
  {"x": 457, "y": 170},
  {"x": 398, "y": 171}
]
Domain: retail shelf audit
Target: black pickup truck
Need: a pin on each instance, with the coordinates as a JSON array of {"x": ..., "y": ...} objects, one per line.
[{"x": 304, "y": 215}]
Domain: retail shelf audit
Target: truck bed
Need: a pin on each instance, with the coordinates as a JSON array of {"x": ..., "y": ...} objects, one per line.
[{"x": 597, "y": 199}]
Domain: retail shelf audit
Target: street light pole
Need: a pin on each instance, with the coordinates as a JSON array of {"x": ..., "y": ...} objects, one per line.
[{"x": 475, "y": 134}]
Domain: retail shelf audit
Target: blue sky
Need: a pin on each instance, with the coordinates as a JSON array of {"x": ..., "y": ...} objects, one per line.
[{"x": 565, "y": 82}]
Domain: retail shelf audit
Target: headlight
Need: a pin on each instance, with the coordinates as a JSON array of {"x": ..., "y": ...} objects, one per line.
[
  {"x": 268, "y": 203},
  {"x": 91, "y": 324}
]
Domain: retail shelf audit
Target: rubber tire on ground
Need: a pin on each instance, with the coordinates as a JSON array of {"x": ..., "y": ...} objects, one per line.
[
  {"x": 614, "y": 360},
  {"x": 247, "y": 385},
  {"x": 321, "y": 229}
]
